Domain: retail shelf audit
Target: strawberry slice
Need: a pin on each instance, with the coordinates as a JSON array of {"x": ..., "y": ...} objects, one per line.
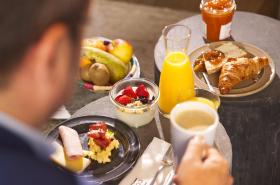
[
  {"x": 128, "y": 91},
  {"x": 103, "y": 143},
  {"x": 124, "y": 100},
  {"x": 118, "y": 97},
  {"x": 142, "y": 91},
  {"x": 99, "y": 125},
  {"x": 94, "y": 134}
]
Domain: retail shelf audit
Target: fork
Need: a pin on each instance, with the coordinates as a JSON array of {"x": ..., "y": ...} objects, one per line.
[{"x": 167, "y": 160}]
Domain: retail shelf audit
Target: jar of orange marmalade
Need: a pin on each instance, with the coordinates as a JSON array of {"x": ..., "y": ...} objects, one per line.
[{"x": 217, "y": 17}]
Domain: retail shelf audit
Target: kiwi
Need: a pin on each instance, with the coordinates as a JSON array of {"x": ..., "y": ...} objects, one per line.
[
  {"x": 99, "y": 74},
  {"x": 84, "y": 73}
]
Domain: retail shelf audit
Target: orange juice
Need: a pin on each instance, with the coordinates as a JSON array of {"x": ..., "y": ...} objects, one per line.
[
  {"x": 212, "y": 104},
  {"x": 176, "y": 81}
]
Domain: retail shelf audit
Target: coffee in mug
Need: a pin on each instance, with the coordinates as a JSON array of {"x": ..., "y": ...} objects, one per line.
[{"x": 190, "y": 119}]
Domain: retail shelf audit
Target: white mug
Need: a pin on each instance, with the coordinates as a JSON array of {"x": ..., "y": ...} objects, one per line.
[{"x": 180, "y": 136}]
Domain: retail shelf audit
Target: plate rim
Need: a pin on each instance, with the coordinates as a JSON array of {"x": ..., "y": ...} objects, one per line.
[
  {"x": 271, "y": 64},
  {"x": 132, "y": 164}
]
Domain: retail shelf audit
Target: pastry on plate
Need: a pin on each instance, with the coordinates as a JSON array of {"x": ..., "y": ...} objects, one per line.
[
  {"x": 213, "y": 60},
  {"x": 238, "y": 70},
  {"x": 210, "y": 61}
]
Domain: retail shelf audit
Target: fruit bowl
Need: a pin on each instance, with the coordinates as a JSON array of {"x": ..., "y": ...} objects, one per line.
[
  {"x": 135, "y": 101},
  {"x": 105, "y": 62}
]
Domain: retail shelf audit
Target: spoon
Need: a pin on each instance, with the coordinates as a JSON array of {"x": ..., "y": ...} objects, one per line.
[{"x": 210, "y": 87}]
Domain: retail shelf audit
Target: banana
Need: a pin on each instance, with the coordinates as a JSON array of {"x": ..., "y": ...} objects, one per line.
[{"x": 118, "y": 70}]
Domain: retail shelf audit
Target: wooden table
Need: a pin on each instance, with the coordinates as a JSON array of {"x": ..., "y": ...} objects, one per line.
[{"x": 253, "y": 122}]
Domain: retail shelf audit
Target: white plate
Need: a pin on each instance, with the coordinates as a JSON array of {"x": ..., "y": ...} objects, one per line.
[{"x": 245, "y": 88}]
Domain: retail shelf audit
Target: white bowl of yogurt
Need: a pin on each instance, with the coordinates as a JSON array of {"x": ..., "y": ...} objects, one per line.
[{"x": 141, "y": 110}]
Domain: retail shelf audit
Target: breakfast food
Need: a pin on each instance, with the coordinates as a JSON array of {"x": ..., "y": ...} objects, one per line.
[
  {"x": 77, "y": 165},
  {"x": 101, "y": 142},
  {"x": 117, "y": 68},
  {"x": 84, "y": 72},
  {"x": 217, "y": 16},
  {"x": 231, "y": 50},
  {"x": 71, "y": 142},
  {"x": 213, "y": 60},
  {"x": 135, "y": 101},
  {"x": 99, "y": 74},
  {"x": 210, "y": 61},
  {"x": 112, "y": 59},
  {"x": 121, "y": 49},
  {"x": 95, "y": 43},
  {"x": 241, "y": 69},
  {"x": 134, "y": 97},
  {"x": 233, "y": 64}
]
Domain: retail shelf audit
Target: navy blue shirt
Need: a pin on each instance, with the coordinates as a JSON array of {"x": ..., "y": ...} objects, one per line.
[{"x": 24, "y": 157}]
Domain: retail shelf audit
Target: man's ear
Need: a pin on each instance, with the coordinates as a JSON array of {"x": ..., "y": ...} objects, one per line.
[
  {"x": 49, "y": 49},
  {"x": 48, "y": 57}
]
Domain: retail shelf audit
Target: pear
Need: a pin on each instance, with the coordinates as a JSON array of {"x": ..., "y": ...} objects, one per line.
[
  {"x": 84, "y": 72},
  {"x": 99, "y": 74}
]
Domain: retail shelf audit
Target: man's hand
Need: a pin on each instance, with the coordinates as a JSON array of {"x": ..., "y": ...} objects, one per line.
[{"x": 202, "y": 165}]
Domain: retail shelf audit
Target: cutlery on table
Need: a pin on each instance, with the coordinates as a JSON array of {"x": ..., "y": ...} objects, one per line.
[
  {"x": 210, "y": 87},
  {"x": 167, "y": 160}
]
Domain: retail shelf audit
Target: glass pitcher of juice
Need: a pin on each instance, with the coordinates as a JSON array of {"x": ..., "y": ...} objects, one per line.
[
  {"x": 217, "y": 17},
  {"x": 176, "y": 79}
]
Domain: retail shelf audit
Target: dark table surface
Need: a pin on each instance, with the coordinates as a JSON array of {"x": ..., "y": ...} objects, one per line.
[
  {"x": 158, "y": 127},
  {"x": 252, "y": 122}
]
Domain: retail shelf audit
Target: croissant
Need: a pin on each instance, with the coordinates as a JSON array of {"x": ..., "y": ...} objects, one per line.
[{"x": 238, "y": 70}]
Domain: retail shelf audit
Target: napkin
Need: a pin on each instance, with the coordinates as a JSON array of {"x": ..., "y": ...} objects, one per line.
[
  {"x": 148, "y": 164},
  {"x": 62, "y": 113}
]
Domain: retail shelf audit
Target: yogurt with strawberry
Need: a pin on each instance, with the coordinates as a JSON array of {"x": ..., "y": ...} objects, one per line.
[{"x": 136, "y": 105}]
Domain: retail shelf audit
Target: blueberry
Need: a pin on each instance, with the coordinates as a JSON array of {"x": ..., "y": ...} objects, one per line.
[
  {"x": 151, "y": 100},
  {"x": 144, "y": 100},
  {"x": 106, "y": 43}
]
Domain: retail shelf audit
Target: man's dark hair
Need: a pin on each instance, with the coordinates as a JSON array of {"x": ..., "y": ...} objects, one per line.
[{"x": 23, "y": 22}]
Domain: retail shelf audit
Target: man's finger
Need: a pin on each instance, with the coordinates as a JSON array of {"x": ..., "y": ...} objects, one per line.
[
  {"x": 213, "y": 155},
  {"x": 215, "y": 159},
  {"x": 230, "y": 181},
  {"x": 196, "y": 148},
  {"x": 175, "y": 179}
]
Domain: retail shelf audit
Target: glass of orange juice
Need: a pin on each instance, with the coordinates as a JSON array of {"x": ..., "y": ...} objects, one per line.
[{"x": 176, "y": 79}]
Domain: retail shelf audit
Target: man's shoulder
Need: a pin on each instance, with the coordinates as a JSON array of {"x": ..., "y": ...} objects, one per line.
[
  {"x": 20, "y": 165},
  {"x": 19, "y": 168}
]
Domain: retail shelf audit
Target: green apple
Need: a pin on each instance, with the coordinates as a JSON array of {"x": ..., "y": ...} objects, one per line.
[{"x": 121, "y": 49}]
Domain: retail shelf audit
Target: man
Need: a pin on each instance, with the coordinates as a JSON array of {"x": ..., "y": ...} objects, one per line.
[
  {"x": 39, "y": 54},
  {"x": 202, "y": 165}
]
